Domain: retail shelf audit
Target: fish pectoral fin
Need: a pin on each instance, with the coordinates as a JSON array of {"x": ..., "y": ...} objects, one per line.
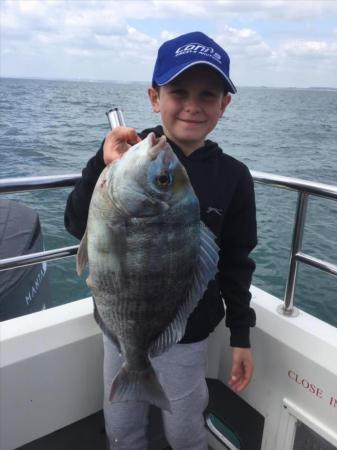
[
  {"x": 208, "y": 261},
  {"x": 82, "y": 255},
  {"x": 205, "y": 271}
]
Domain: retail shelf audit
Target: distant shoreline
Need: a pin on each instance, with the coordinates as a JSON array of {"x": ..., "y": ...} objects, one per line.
[{"x": 88, "y": 80}]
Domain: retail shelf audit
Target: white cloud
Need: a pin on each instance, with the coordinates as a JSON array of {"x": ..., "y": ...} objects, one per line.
[
  {"x": 271, "y": 9},
  {"x": 242, "y": 42},
  {"x": 105, "y": 21},
  {"x": 309, "y": 54},
  {"x": 167, "y": 35},
  {"x": 89, "y": 13},
  {"x": 241, "y": 9},
  {"x": 124, "y": 34},
  {"x": 318, "y": 48},
  {"x": 254, "y": 61},
  {"x": 34, "y": 8},
  {"x": 137, "y": 36},
  {"x": 78, "y": 52},
  {"x": 49, "y": 38}
]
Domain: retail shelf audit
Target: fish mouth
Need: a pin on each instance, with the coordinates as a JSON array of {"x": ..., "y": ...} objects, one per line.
[
  {"x": 154, "y": 140},
  {"x": 157, "y": 145}
]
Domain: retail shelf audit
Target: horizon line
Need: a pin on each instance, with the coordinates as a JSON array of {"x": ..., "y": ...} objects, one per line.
[{"x": 91, "y": 80}]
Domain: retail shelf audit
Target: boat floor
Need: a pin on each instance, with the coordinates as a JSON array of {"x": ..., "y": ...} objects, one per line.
[
  {"x": 89, "y": 433},
  {"x": 85, "y": 434}
]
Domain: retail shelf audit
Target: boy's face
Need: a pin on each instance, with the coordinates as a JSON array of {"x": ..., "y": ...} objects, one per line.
[{"x": 190, "y": 106}]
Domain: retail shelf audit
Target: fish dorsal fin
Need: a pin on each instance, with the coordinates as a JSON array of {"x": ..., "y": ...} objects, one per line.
[
  {"x": 206, "y": 270},
  {"x": 82, "y": 255}
]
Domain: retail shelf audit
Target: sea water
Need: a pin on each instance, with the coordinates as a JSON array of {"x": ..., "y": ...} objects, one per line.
[{"x": 54, "y": 127}]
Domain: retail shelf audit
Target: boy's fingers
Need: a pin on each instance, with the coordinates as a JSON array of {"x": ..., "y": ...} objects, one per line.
[
  {"x": 117, "y": 142},
  {"x": 245, "y": 378},
  {"x": 235, "y": 372},
  {"x": 236, "y": 376},
  {"x": 242, "y": 369},
  {"x": 125, "y": 134},
  {"x": 132, "y": 137}
]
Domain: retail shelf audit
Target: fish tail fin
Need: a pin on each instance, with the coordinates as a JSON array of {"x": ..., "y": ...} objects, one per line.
[{"x": 139, "y": 386}]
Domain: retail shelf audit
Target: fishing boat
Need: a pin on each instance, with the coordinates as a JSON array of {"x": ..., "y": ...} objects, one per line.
[{"x": 51, "y": 362}]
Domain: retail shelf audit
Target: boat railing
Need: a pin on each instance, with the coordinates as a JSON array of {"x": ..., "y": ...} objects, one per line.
[{"x": 304, "y": 188}]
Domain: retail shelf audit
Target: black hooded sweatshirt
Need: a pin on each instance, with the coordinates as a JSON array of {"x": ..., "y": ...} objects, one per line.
[{"x": 225, "y": 191}]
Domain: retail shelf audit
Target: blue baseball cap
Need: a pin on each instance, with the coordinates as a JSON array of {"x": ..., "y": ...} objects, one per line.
[{"x": 187, "y": 50}]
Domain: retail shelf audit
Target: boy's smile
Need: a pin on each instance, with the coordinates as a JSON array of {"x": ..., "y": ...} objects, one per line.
[{"x": 190, "y": 106}]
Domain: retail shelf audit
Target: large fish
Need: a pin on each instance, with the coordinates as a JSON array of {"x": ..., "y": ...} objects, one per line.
[{"x": 150, "y": 261}]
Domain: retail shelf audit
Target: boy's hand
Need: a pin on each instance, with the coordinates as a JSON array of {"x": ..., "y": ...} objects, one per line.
[
  {"x": 242, "y": 368},
  {"x": 117, "y": 142}
]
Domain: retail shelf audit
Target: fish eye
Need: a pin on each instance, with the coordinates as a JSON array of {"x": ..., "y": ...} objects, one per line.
[{"x": 163, "y": 179}]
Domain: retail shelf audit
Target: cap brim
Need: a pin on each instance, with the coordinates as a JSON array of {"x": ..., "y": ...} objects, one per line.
[{"x": 176, "y": 71}]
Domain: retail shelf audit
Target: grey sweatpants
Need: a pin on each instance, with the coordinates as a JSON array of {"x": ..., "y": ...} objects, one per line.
[{"x": 181, "y": 371}]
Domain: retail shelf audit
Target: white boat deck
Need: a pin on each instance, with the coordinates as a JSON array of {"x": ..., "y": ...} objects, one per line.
[{"x": 51, "y": 364}]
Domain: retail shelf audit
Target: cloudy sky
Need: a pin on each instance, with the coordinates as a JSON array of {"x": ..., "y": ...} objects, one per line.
[{"x": 270, "y": 42}]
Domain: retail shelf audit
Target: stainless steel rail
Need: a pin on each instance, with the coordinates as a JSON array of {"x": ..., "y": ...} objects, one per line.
[
  {"x": 296, "y": 184},
  {"x": 35, "y": 258},
  {"x": 303, "y": 187},
  {"x": 20, "y": 184}
]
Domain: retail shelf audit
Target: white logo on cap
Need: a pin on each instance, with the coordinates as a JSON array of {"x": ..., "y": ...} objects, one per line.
[{"x": 195, "y": 47}]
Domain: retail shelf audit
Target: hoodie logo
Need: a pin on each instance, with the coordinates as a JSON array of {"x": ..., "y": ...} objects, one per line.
[
  {"x": 211, "y": 209},
  {"x": 195, "y": 47}
]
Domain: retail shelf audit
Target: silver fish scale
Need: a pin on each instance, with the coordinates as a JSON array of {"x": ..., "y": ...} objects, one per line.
[{"x": 139, "y": 301}]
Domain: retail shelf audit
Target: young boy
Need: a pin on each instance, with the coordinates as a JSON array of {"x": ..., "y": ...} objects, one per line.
[{"x": 190, "y": 89}]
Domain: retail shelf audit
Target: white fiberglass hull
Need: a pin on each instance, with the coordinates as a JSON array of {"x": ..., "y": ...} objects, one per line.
[{"x": 51, "y": 373}]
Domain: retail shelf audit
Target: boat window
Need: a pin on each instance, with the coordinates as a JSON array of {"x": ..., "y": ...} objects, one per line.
[
  {"x": 306, "y": 438},
  {"x": 223, "y": 433}
]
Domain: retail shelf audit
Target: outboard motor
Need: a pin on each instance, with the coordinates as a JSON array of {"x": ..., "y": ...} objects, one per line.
[{"x": 24, "y": 290}]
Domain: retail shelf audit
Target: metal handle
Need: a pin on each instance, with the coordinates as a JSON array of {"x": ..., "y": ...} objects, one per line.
[{"x": 115, "y": 118}]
